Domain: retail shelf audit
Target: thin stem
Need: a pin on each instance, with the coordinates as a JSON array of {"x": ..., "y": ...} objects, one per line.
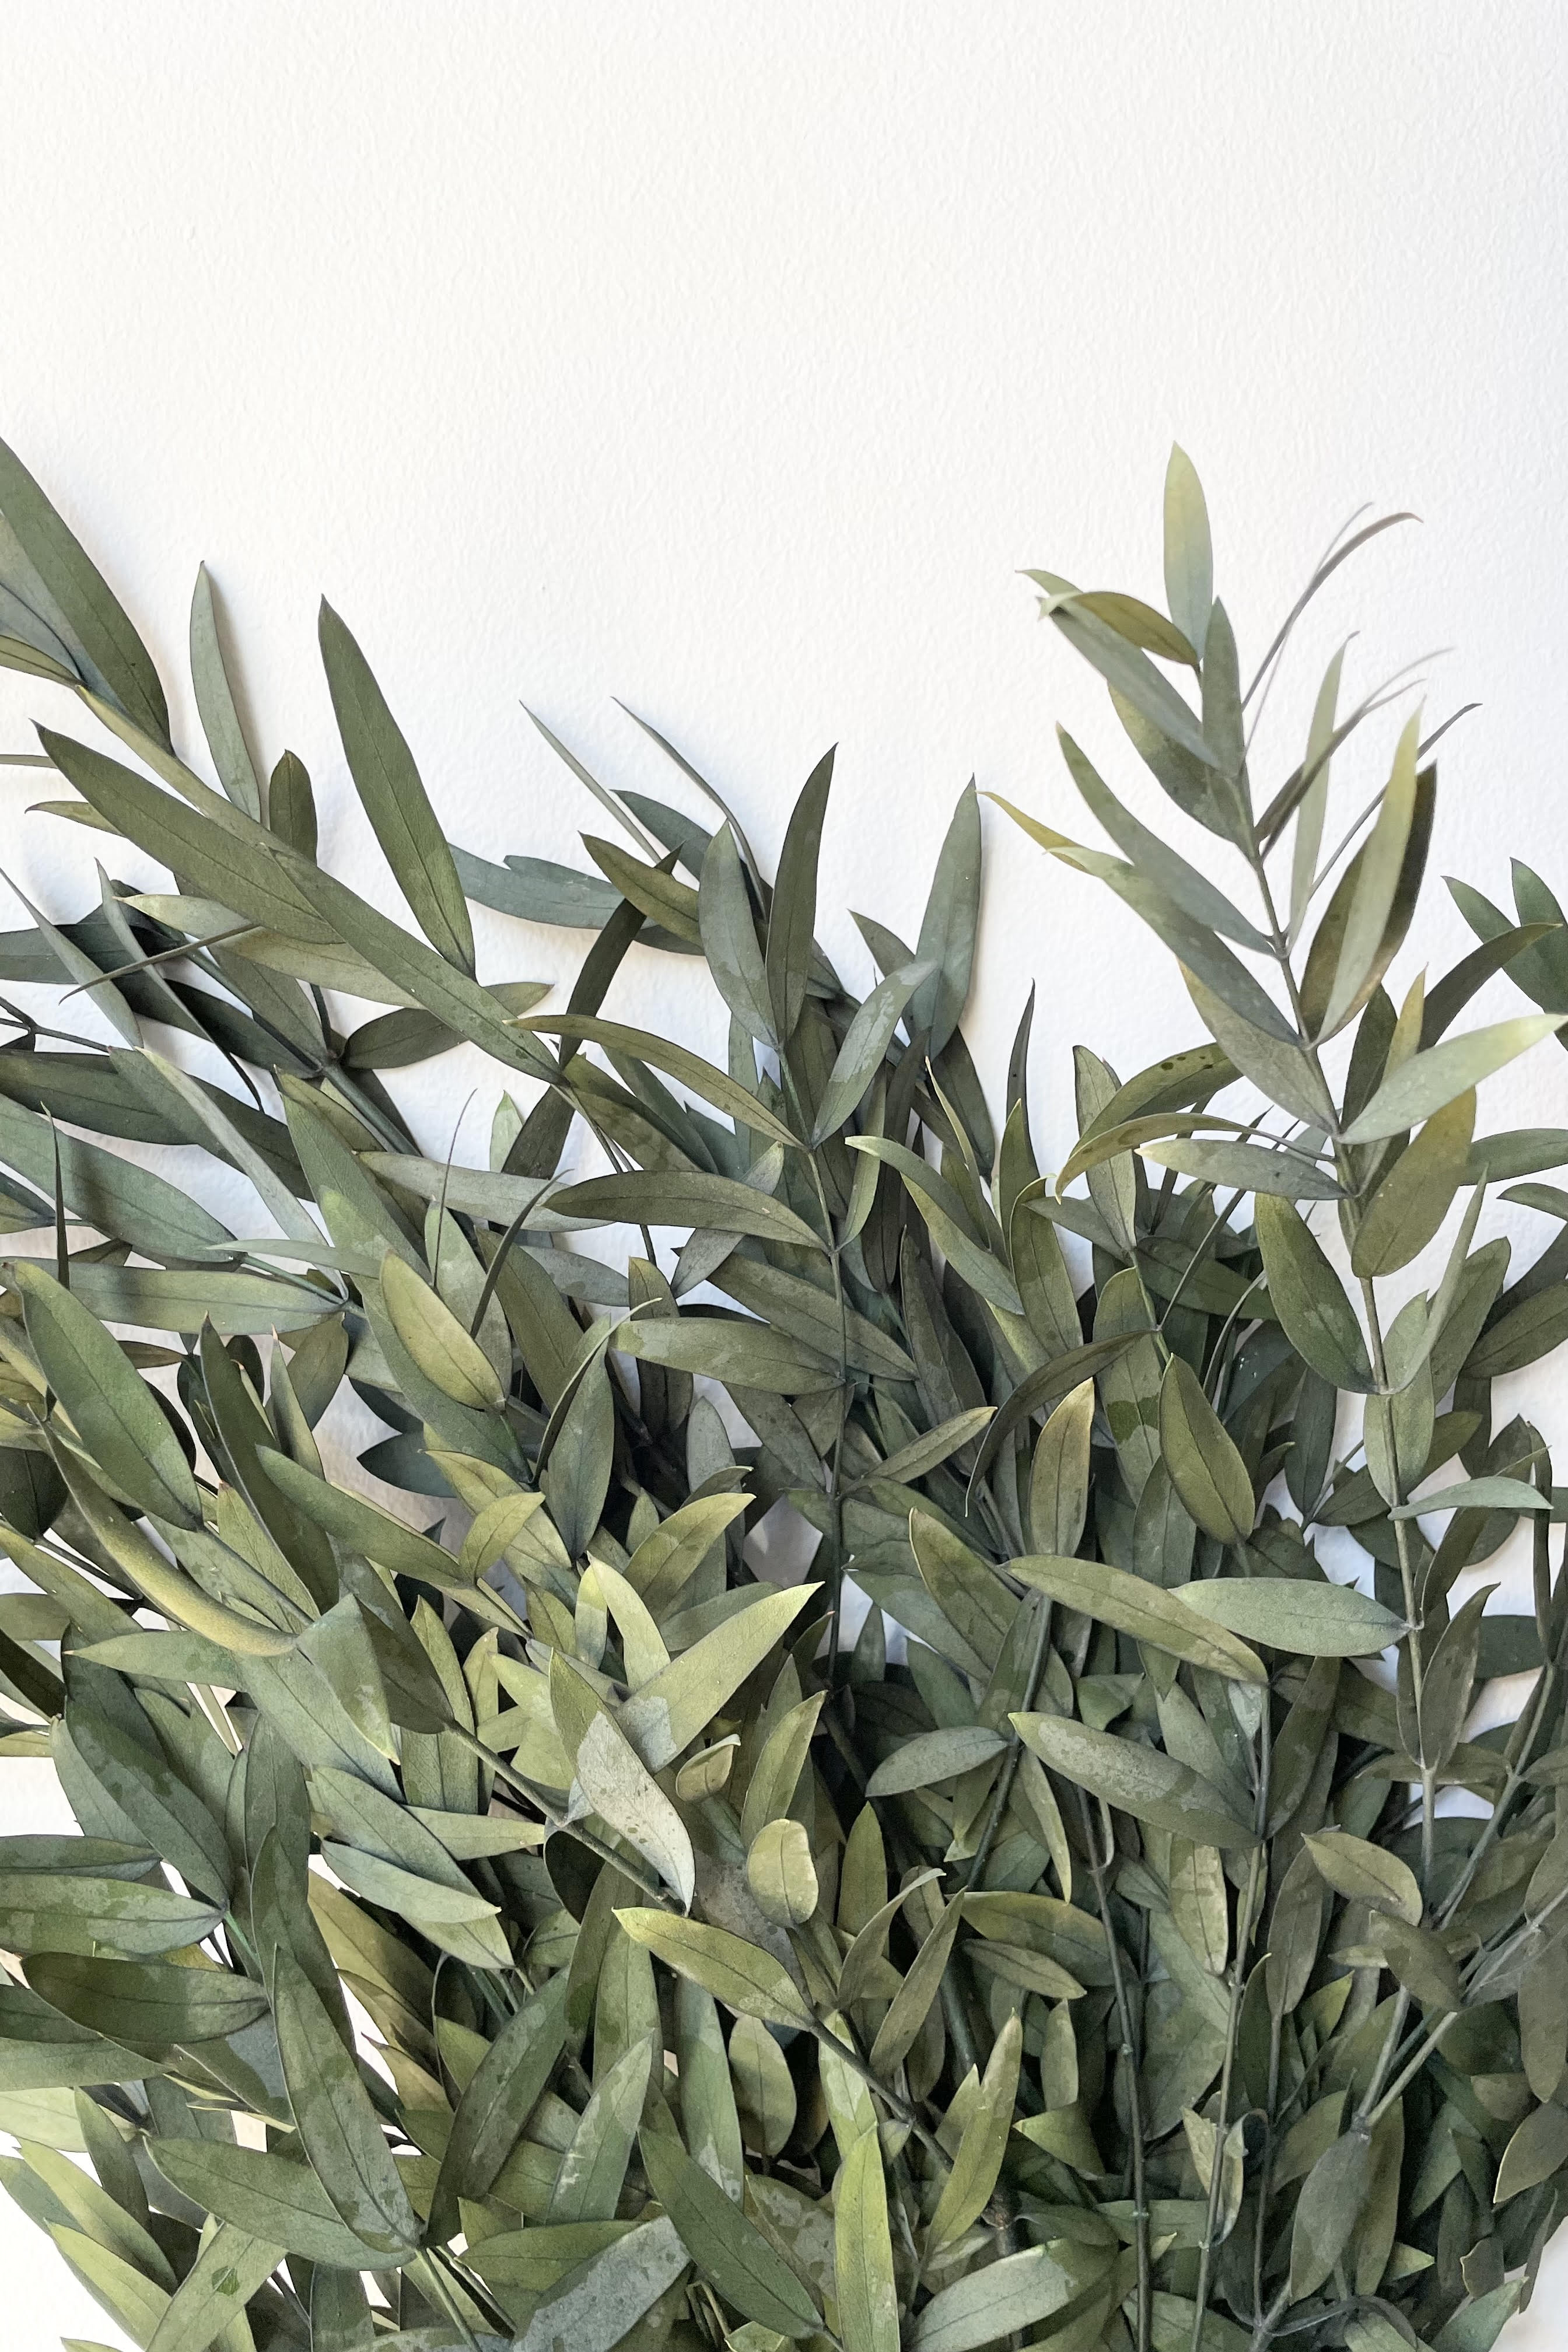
[
  {"x": 1380, "y": 1367},
  {"x": 1268, "y": 2321},
  {"x": 1512, "y": 1786},
  {"x": 1408, "y": 2074}
]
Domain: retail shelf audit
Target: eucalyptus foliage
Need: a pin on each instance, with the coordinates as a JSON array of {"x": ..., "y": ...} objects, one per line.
[{"x": 517, "y": 1920}]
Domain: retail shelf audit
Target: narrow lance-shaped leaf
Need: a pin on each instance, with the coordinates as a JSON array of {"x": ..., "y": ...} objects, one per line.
[
  {"x": 77, "y": 601},
  {"x": 947, "y": 927},
  {"x": 741, "y": 1975},
  {"x": 338, "y": 2127},
  {"x": 868, "y": 2299},
  {"x": 215, "y": 701},
  {"x": 793, "y": 918},
  {"x": 110, "y": 1406},
  {"x": 1138, "y": 1781},
  {"x": 1136, "y": 1607},
  {"x": 724, "y": 2245},
  {"x": 978, "y": 2161},
  {"x": 1307, "y": 1295},
  {"x": 1189, "y": 554},
  {"x": 730, "y": 937},
  {"x": 395, "y": 799},
  {"x": 1200, "y": 1457},
  {"x": 866, "y": 1045},
  {"x": 1430, "y": 1080}
]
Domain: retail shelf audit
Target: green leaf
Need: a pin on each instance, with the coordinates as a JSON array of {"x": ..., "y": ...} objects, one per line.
[
  {"x": 1533, "y": 1328},
  {"x": 146, "y": 2005},
  {"x": 1189, "y": 554},
  {"x": 1367, "y": 1874},
  {"x": 215, "y": 703},
  {"x": 708, "y": 2115},
  {"x": 688, "y": 1069},
  {"x": 588, "y": 2185},
  {"x": 602, "y": 2300},
  {"x": 653, "y": 890},
  {"x": 1421, "y": 1961},
  {"x": 1125, "y": 670},
  {"x": 100, "y": 1189},
  {"x": 1327, "y": 2210},
  {"x": 1314, "y": 799},
  {"x": 781, "y": 1873},
  {"x": 944, "y": 1215},
  {"x": 393, "y": 796},
  {"x": 47, "y": 1912},
  {"x": 742, "y": 1353},
  {"x": 948, "y": 929},
  {"x": 1306, "y": 1294},
  {"x": 935, "y": 1756},
  {"x": 624, "y": 1794},
  {"x": 435, "y": 1339},
  {"x": 167, "y": 1813},
  {"x": 1280, "y": 1066},
  {"x": 665, "y": 1560},
  {"x": 775, "y": 1774},
  {"x": 861, "y": 1960},
  {"x": 865, "y": 1045},
  {"x": 225, "y": 856},
  {"x": 1006, "y": 2296},
  {"x": 978, "y": 2162},
  {"x": 360, "y": 1524},
  {"x": 863, "y": 2252},
  {"x": 744, "y": 1978},
  {"x": 63, "y": 586},
  {"x": 133, "y": 2301},
  {"x": 1138, "y": 1781},
  {"x": 338, "y": 2127},
  {"x": 707, "y": 1203},
  {"x": 1476, "y": 1495},
  {"x": 276, "y": 2198},
  {"x": 1196, "y": 944},
  {"x": 728, "y": 935},
  {"x": 1376, "y": 877},
  {"x": 1200, "y": 1457},
  {"x": 291, "y": 804},
  {"x": 1059, "y": 1475},
  {"x": 727, "y": 2247},
  {"x": 1189, "y": 889},
  {"x": 1538, "y": 2149},
  {"x": 1316, "y": 1621},
  {"x": 1248, "y": 1167},
  {"x": 793, "y": 918},
  {"x": 214, "y": 2293},
  {"x": 1412, "y": 1201},
  {"x": 1428, "y": 1081},
  {"x": 907, "y": 2009},
  {"x": 1135, "y": 1607},
  {"x": 669, "y": 1711}
]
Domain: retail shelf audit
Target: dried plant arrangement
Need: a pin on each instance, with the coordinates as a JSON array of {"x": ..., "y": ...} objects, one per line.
[{"x": 516, "y": 1919}]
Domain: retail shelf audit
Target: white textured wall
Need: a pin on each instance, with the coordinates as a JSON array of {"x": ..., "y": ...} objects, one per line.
[{"x": 731, "y": 360}]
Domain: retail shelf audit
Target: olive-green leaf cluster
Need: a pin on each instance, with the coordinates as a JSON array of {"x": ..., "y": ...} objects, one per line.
[{"x": 510, "y": 1913}]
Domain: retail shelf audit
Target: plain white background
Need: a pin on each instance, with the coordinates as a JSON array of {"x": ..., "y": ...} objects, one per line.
[{"x": 732, "y": 361}]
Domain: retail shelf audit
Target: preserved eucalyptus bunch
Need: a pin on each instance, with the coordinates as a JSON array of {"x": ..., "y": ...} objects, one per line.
[{"x": 519, "y": 1919}]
